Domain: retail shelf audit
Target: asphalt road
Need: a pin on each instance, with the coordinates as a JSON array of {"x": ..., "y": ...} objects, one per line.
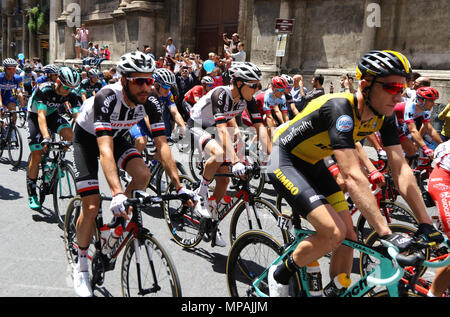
[{"x": 32, "y": 256}]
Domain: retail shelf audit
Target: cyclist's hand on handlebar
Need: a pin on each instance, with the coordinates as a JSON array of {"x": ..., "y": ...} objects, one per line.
[
  {"x": 238, "y": 169},
  {"x": 376, "y": 178},
  {"x": 429, "y": 233},
  {"x": 45, "y": 143},
  {"x": 428, "y": 152},
  {"x": 402, "y": 242},
  {"x": 188, "y": 196},
  {"x": 117, "y": 206}
]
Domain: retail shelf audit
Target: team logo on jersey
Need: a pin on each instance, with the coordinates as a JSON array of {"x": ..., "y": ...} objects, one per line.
[{"x": 344, "y": 123}]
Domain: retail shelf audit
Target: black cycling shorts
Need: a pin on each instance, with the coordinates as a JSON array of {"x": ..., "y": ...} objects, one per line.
[
  {"x": 55, "y": 123},
  {"x": 304, "y": 186},
  {"x": 86, "y": 154}
]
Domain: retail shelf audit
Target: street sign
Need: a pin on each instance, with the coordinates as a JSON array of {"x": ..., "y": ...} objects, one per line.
[
  {"x": 281, "y": 45},
  {"x": 284, "y": 26}
]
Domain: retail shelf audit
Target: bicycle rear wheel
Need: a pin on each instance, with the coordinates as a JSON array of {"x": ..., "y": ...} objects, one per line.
[
  {"x": 262, "y": 216},
  {"x": 70, "y": 233},
  {"x": 196, "y": 164},
  {"x": 63, "y": 191},
  {"x": 396, "y": 214},
  {"x": 250, "y": 255},
  {"x": 183, "y": 222},
  {"x": 14, "y": 146},
  {"x": 155, "y": 270}
]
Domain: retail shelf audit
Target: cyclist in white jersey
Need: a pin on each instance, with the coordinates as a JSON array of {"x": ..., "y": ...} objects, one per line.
[
  {"x": 215, "y": 112},
  {"x": 101, "y": 124}
]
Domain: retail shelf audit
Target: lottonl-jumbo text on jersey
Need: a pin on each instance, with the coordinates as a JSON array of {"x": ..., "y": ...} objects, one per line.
[
  {"x": 107, "y": 113},
  {"x": 328, "y": 123}
]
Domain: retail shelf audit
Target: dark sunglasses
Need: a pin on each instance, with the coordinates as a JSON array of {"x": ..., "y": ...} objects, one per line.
[
  {"x": 393, "y": 88},
  {"x": 139, "y": 81}
]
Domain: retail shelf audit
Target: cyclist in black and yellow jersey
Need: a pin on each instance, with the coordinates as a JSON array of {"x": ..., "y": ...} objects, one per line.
[{"x": 331, "y": 124}]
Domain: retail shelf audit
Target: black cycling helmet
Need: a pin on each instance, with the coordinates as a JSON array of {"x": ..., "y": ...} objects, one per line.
[{"x": 383, "y": 63}]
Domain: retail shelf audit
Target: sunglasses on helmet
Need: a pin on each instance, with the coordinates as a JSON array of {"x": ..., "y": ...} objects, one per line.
[
  {"x": 139, "y": 81},
  {"x": 393, "y": 88}
]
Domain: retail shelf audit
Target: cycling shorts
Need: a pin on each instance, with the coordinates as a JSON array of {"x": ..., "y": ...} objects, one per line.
[
  {"x": 304, "y": 186},
  {"x": 85, "y": 159},
  {"x": 55, "y": 123},
  {"x": 439, "y": 189}
]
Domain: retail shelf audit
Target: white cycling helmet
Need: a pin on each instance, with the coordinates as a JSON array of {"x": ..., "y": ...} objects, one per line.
[
  {"x": 9, "y": 62},
  {"x": 289, "y": 79},
  {"x": 135, "y": 62},
  {"x": 208, "y": 80},
  {"x": 50, "y": 69},
  {"x": 164, "y": 76},
  {"x": 245, "y": 71}
]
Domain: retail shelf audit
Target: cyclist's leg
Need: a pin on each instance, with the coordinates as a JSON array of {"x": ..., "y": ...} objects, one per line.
[
  {"x": 130, "y": 160},
  {"x": 289, "y": 180},
  {"x": 34, "y": 142}
]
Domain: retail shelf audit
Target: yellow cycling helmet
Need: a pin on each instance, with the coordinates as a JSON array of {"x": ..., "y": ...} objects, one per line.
[{"x": 383, "y": 63}]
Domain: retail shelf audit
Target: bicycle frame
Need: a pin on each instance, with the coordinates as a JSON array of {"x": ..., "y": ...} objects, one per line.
[{"x": 389, "y": 274}]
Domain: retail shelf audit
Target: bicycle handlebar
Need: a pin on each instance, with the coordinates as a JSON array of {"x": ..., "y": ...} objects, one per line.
[
  {"x": 394, "y": 254},
  {"x": 249, "y": 171}
]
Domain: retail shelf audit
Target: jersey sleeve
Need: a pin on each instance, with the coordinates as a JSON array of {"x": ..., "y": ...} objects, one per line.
[
  {"x": 283, "y": 105},
  {"x": 253, "y": 111},
  {"x": 104, "y": 103},
  {"x": 388, "y": 131},
  {"x": 410, "y": 112},
  {"x": 218, "y": 101},
  {"x": 426, "y": 116},
  {"x": 154, "y": 113},
  {"x": 40, "y": 97},
  {"x": 337, "y": 115},
  {"x": 73, "y": 100}
]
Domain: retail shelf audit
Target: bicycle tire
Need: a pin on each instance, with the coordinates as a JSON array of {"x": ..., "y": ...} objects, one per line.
[
  {"x": 398, "y": 213},
  {"x": 267, "y": 216},
  {"x": 248, "y": 258},
  {"x": 365, "y": 261},
  {"x": 21, "y": 119},
  {"x": 14, "y": 147},
  {"x": 195, "y": 166},
  {"x": 65, "y": 177},
  {"x": 160, "y": 266},
  {"x": 183, "y": 222},
  {"x": 70, "y": 233}
]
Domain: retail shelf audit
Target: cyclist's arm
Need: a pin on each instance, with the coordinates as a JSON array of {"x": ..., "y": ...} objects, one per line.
[
  {"x": 415, "y": 134},
  {"x": 406, "y": 183},
  {"x": 42, "y": 121},
  {"x": 427, "y": 128},
  {"x": 106, "y": 149},
  {"x": 358, "y": 187},
  {"x": 263, "y": 137},
  {"x": 21, "y": 98},
  {"x": 364, "y": 158},
  {"x": 278, "y": 114},
  {"x": 177, "y": 117},
  {"x": 167, "y": 160}
]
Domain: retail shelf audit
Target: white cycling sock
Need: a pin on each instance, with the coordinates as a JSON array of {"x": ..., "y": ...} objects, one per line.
[
  {"x": 83, "y": 263},
  {"x": 203, "y": 190},
  {"x": 430, "y": 294}
]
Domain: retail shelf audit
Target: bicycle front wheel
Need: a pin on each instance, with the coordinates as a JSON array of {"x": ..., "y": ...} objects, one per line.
[
  {"x": 147, "y": 269},
  {"x": 15, "y": 147},
  {"x": 261, "y": 215},
  {"x": 64, "y": 190},
  {"x": 183, "y": 222},
  {"x": 250, "y": 255}
]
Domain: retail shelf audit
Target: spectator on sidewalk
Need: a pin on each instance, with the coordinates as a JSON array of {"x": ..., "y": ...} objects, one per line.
[
  {"x": 317, "y": 91},
  {"x": 106, "y": 52},
  {"x": 240, "y": 56},
  {"x": 232, "y": 43},
  {"x": 77, "y": 37},
  {"x": 170, "y": 50},
  {"x": 84, "y": 39}
]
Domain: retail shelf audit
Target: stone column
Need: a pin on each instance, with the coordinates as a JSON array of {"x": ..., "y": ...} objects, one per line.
[
  {"x": 8, "y": 36},
  {"x": 294, "y": 58},
  {"x": 245, "y": 26},
  {"x": 4, "y": 36},
  {"x": 25, "y": 38}
]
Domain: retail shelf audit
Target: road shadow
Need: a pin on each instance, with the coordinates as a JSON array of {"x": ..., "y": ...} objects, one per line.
[
  {"x": 45, "y": 215},
  {"x": 8, "y": 194},
  {"x": 218, "y": 261}
]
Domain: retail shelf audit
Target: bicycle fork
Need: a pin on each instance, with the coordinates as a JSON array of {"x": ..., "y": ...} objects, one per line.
[{"x": 137, "y": 254}]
